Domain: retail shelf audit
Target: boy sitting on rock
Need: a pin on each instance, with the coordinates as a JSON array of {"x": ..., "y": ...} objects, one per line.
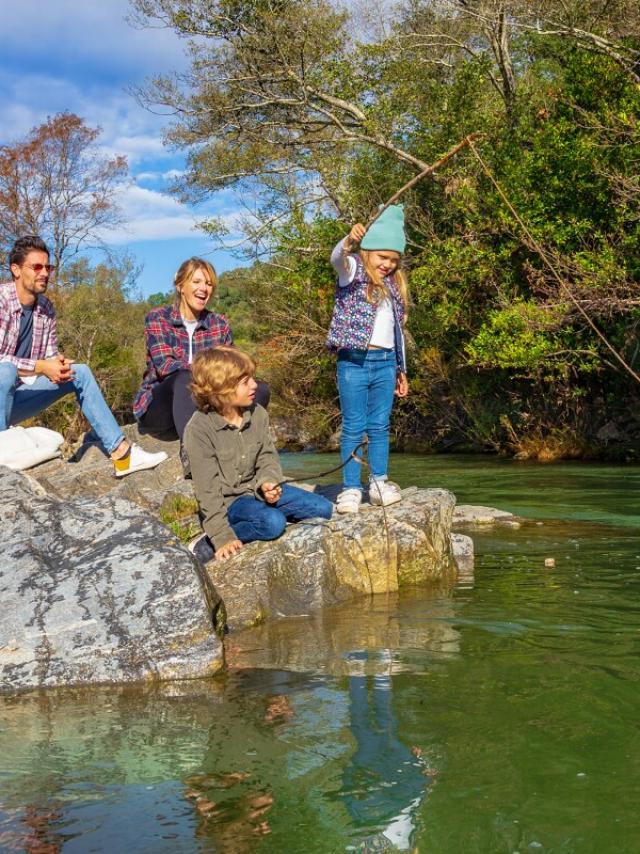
[{"x": 234, "y": 464}]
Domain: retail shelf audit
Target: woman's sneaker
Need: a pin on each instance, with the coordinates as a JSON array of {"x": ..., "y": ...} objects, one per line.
[
  {"x": 349, "y": 501},
  {"x": 382, "y": 493}
]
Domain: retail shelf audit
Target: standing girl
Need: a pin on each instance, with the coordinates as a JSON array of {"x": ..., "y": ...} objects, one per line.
[{"x": 367, "y": 333}]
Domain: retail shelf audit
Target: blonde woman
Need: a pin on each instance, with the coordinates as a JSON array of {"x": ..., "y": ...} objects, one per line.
[{"x": 174, "y": 334}]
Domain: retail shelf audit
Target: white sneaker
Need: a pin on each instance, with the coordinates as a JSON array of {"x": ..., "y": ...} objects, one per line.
[
  {"x": 382, "y": 493},
  {"x": 349, "y": 501},
  {"x": 137, "y": 460}
]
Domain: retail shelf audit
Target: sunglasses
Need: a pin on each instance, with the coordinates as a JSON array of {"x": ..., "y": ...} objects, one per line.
[{"x": 38, "y": 268}]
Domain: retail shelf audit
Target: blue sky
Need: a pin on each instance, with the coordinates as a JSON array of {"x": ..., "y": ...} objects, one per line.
[{"x": 80, "y": 56}]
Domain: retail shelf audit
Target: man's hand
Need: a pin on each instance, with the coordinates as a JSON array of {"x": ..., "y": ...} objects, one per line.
[
  {"x": 57, "y": 369},
  {"x": 402, "y": 385},
  {"x": 354, "y": 237},
  {"x": 271, "y": 492},
  {"x": 228, "y": 549}
]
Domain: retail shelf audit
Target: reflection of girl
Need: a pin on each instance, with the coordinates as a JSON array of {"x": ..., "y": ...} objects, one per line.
[
  {"x": 385, "y": 782},
  {"x": 173, "y": 335}
]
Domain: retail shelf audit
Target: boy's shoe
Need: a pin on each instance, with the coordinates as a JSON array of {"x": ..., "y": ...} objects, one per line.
[
  {"x": 382, "y": 493},
  {"x": 349, "y": 501},
  {"x": 137, "y": 460},
  {"x": 202, "y": 549}
]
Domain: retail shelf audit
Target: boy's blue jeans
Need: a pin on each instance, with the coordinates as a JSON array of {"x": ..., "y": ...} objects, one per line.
[
  {"x": 366, "y": 384},
  {"x": 252, "y": 519},
  {"x": 19, "y": 402}
]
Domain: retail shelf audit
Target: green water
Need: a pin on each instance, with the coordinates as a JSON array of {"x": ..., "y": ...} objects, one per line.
[{"x": 500, "y": 716}]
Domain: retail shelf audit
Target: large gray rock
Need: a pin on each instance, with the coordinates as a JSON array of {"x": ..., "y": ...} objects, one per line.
[
  {"x": 312, "y": 565},
  {"x": 320, "y": 563},
  {"x": 97, "y": 590}
]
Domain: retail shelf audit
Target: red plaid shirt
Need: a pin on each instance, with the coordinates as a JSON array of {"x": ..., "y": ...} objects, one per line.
[
  {"x": 44, "y": 344},
  {"x": 168, "y": 347}
]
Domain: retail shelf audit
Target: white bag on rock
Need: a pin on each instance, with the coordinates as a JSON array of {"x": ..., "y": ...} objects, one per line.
[{"x": 23, "y": 447}]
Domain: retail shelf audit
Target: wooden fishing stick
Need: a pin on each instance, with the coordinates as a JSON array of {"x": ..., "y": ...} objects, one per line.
[{"x": 468, "y": 140}]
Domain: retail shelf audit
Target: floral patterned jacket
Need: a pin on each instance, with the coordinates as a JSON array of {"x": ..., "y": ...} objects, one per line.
[{"x": 353, "y": 316}]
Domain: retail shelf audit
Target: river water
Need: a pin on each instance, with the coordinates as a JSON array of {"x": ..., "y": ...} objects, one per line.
[{"x": 500, "y": 716}]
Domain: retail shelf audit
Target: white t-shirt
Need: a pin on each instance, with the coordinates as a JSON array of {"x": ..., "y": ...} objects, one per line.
[
  {"x": 190, "y": 326},
  {"x": 383, "y": 333}
]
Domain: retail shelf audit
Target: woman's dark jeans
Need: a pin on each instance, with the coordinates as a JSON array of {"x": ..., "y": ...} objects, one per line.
[{"x": 172, "y": 405}]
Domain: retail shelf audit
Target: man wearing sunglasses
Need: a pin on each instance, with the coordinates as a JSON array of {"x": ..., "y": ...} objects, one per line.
[{"x": 34, "y": 374}]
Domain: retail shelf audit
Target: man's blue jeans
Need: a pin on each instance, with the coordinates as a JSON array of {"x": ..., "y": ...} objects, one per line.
[
  {"x": 252, "y": 519},
  {"x": 19, "y": 402},
  {"x": 366, "y": 384}
]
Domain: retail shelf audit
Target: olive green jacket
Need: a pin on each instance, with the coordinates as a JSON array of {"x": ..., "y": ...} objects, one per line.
[{"x": 227, "y": 462}]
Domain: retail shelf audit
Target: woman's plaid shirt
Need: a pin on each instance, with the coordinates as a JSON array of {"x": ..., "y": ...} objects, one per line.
[{"x": 167, "y": 342}]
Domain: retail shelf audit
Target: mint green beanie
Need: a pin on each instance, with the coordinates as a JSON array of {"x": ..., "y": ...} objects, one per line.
[{"x": 387, "y": 232}]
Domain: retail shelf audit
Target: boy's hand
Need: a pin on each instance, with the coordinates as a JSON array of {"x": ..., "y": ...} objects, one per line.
[
  {"x": 402, "y": 385},
  {"x": 356, "y": 234},
  {"x": 228, "y": 549},
  {"x": 271, "y": 492}
]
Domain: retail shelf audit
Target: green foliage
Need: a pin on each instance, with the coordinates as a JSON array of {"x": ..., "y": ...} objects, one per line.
[
  {"x": 514, "y": 337},
  {"x": 101, "y": 326},
  {"x": 178, "y": 512},
  {"x": 506, "y": 256}
]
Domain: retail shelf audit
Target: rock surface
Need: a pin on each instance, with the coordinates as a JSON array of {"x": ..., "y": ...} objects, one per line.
[
  {"x": 97, "y": 590},
  {"x": 312, "y": 565},
  {"x": 90, "y": 473},
  {"x": 473, "y": 514},
  {"x": 464, "y": 556},
  {"x": 321, "y": 563}
]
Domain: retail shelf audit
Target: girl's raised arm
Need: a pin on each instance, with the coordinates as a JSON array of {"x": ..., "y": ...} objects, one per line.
[{"x": 344, "y": 265}]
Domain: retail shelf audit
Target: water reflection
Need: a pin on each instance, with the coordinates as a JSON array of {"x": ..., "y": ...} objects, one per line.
[
  {"x": 235, "y": 763},
  {"x": 416, "y": 621},
  {"x": 385, "y": 781},
  {"x": 519, "y": 697}
]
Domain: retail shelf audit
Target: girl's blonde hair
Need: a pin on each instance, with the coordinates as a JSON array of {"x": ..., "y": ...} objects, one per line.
[
  {"x": 376, "y": 288},
  {"x": 186, "y": 271},
  {"x": 215, "y": 374}
]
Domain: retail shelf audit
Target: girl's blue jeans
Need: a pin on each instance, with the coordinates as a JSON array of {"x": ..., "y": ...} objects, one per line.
[
  {"x": 366, "y": 384},
  {"x": 19, "y": 402},
  {"x": 252, "y": 519}
]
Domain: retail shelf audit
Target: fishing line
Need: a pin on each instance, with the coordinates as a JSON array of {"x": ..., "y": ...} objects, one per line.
[{"x": 545, "y": 258}]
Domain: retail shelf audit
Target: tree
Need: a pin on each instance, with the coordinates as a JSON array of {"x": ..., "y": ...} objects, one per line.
[
  {"x": 57, "y": 183},
  {"x": 312, "y": 116},
  {"x": 279, "y": 97}
]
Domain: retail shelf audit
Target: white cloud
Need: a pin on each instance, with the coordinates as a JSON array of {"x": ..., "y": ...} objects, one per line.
[
  {"x": 169, "y": 175},
  {"x": 89, "y": 35},
  {"x": 151, "y": 215}
]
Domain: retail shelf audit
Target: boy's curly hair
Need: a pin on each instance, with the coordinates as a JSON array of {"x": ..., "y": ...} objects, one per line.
[{"x": 215, "y": 374}]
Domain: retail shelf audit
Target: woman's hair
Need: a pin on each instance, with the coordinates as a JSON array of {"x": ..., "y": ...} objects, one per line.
[
  {"x": 216, "y": 372},
  {"x": 376, "y": 288},
  {"x": 186, "y": 271}
]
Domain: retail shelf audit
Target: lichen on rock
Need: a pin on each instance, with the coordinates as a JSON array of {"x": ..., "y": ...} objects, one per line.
[{"x": 97, "y": 590}]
